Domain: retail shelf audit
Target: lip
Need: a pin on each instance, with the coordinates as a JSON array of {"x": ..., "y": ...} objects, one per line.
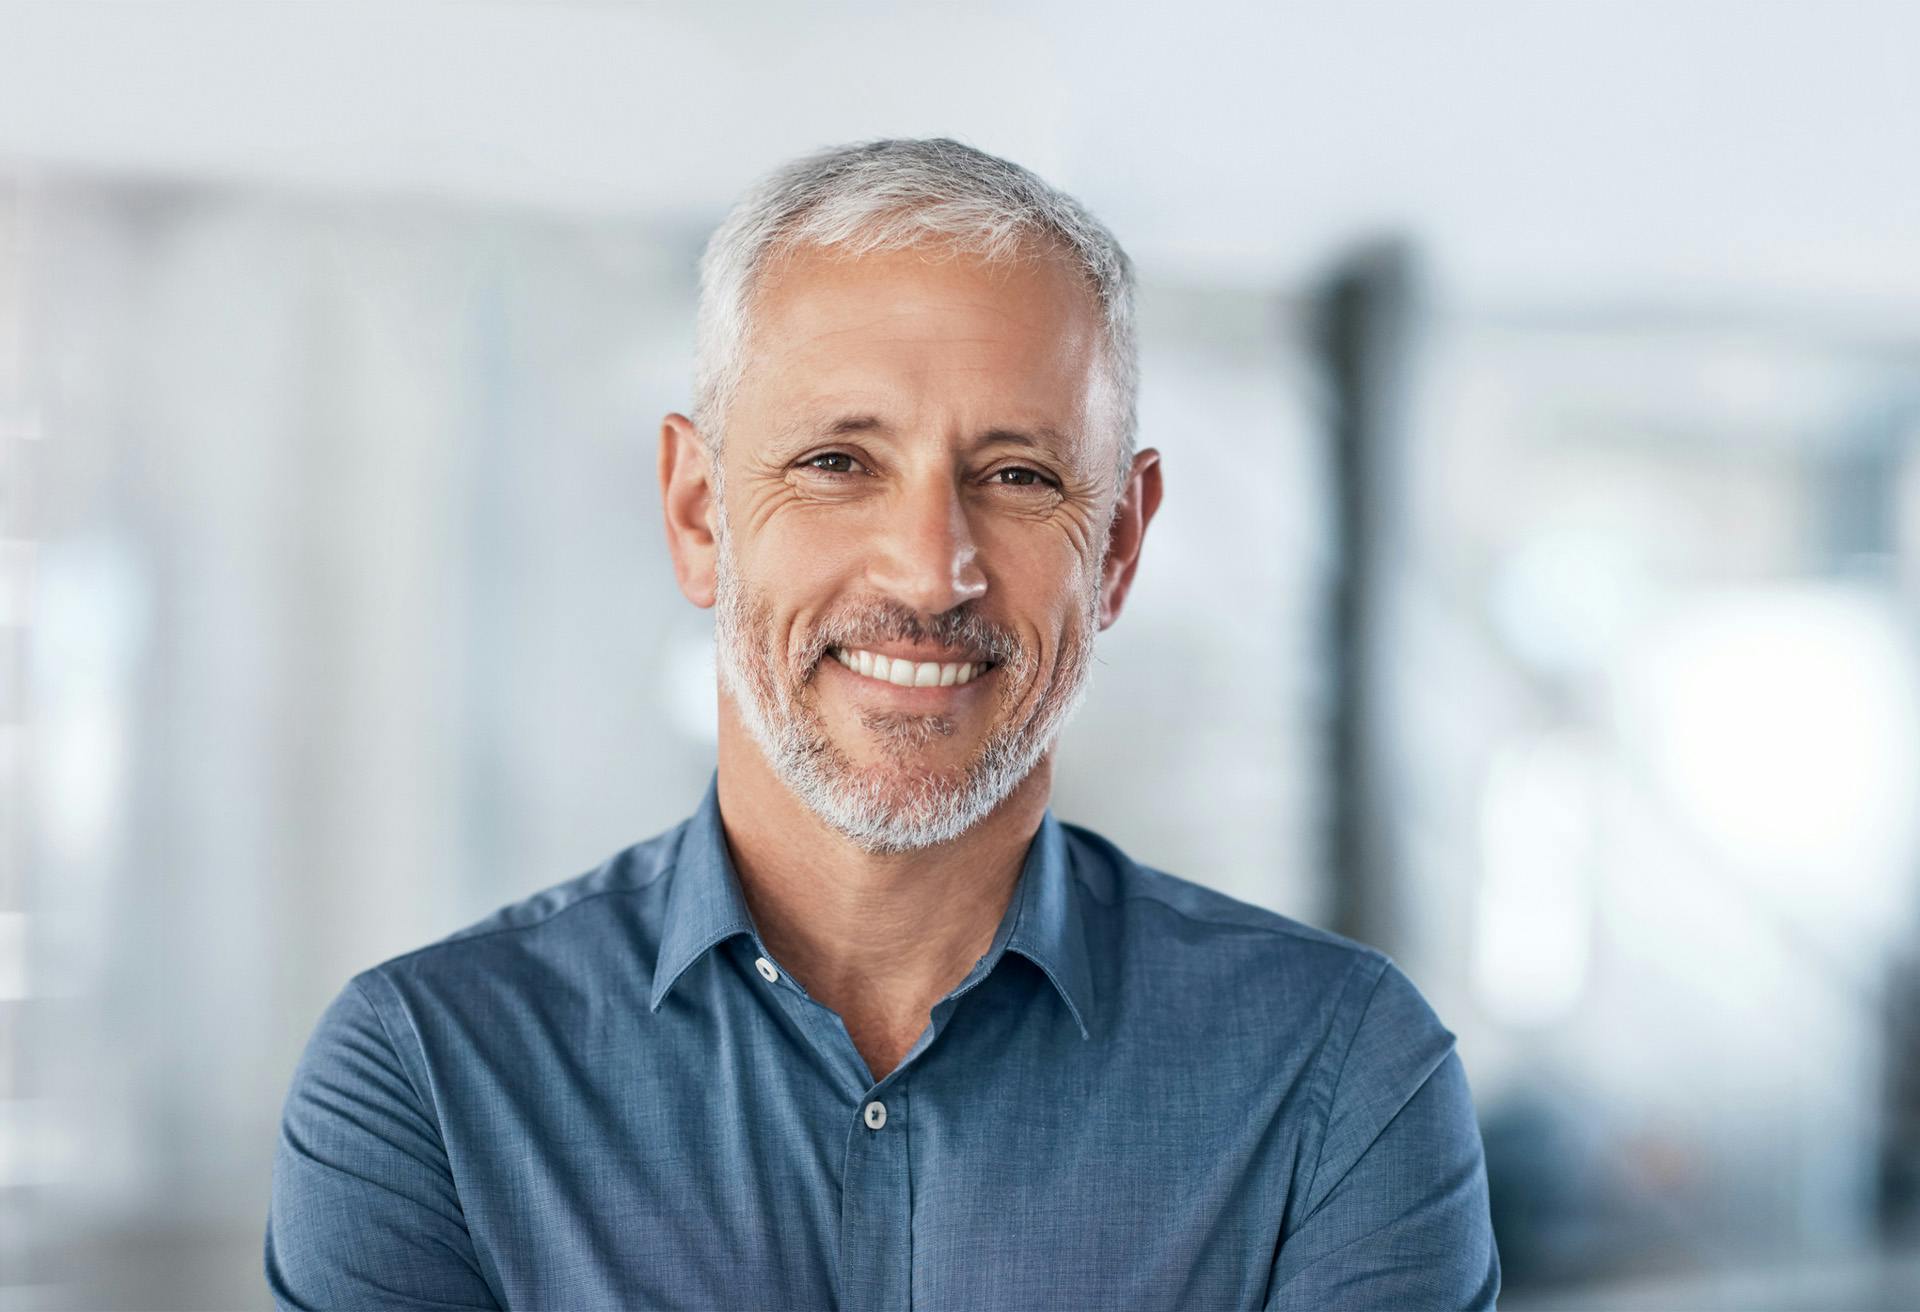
[{"x": 929, "y": 698}]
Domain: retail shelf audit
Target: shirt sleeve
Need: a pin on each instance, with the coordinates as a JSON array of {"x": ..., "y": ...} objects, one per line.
[
  {"x": 364, "y": 1210},
  {"x": 1396, "y": 1213}
]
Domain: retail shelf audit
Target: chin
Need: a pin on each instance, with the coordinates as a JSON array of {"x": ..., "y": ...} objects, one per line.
[
  {"x": 899, "y": 807},
  {"x": 907, "y": 786}
]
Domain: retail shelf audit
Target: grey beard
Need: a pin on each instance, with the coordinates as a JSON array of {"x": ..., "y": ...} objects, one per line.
[{"x": 877, "y": 808}]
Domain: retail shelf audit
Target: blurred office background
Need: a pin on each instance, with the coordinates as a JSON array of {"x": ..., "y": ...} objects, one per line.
[{"x": 1535, "y": 593}]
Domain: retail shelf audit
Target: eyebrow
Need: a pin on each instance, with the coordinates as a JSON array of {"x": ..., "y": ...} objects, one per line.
[
  {"x": 1044, "y": 437},
  {"x": 848, "y": 424}
]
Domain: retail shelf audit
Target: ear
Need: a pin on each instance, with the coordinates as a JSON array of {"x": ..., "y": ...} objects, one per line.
[
  {"x": 686, "y": 492},
  {"x": 1138, "y": 502}
]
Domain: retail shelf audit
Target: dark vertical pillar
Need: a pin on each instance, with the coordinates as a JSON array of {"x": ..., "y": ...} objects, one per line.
[
  {"x": 1362, "y": 321},
  {"x": 1858, "y": 482}
]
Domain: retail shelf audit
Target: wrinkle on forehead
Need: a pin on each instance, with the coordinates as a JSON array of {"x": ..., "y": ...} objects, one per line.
[{"x": 919, "y": 282}]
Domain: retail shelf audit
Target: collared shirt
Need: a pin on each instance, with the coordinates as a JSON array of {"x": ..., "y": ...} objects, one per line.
[{"x": 1145, "y": 1095}]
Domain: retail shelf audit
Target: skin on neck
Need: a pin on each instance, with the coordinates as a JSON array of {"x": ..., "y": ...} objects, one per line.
[{"x": 878, "y": 937}]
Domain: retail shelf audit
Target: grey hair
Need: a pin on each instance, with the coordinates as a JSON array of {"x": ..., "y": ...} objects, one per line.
[{"x": 886, "y": 195}]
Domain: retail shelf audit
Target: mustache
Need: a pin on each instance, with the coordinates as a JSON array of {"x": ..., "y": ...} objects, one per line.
[{"x": 961, "y": 629}]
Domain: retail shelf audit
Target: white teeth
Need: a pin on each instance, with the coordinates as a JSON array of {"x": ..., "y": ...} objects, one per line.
[{"x": 908, "y": 674}]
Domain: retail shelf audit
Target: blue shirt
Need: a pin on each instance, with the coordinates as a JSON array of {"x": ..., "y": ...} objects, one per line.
[{"x": 1145, "y": 1095}]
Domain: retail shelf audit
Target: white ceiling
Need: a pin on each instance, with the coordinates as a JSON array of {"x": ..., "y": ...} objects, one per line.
[{"x": 1671, "y": 151}]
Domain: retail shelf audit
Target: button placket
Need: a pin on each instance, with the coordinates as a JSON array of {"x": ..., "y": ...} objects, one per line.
[{"x": 876, "y": 1212}]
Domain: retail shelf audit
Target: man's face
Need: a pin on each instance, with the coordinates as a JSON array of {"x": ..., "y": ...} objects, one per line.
[{"x": 918, "y": 476}]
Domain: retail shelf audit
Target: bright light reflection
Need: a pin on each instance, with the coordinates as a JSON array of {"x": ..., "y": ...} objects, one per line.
[
  {"x": 1534, "y": 914},
  {"x": 1783, "y": 725}
]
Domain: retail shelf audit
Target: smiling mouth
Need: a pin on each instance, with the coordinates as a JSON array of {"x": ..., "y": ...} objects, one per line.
[{"x": 909, "y": 674}]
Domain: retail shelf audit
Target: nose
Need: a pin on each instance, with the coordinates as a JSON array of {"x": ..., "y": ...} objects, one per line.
[{"x": 925, "y": 556}]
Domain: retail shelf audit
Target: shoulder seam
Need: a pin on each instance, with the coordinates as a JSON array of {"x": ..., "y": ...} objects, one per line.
[
  {"x": 429, "y": 1108},
  {"x": 1333, "y": 1093},
  {"x": 1424, "y": 1082},
  {"x": 386, "y": 1031}
]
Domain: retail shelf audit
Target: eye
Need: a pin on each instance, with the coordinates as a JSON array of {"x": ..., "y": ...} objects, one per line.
[
  {"x": 831, "y": 462},
  {"x": 1020, "y": 476}
]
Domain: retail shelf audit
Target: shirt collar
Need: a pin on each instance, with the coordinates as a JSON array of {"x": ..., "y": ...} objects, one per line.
[{"x": 1043, "y": 921}]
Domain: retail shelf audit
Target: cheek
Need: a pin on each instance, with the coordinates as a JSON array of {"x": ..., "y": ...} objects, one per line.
[
  {"x": 1052, "y": 588},
  {"x": 798, "y": 576},
  {"x": 811, "y": 550},
  {"x": 1052, "y": 616},
  {"x": 1035, "y": 557}
]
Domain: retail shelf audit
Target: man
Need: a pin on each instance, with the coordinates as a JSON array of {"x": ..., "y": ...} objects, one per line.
[{"x": 873, "y": 1029}]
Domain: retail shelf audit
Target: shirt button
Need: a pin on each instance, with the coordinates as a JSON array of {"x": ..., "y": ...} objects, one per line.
[
  {"x": 765, "y": 967},
  {"x": 876, "y": 1114}
]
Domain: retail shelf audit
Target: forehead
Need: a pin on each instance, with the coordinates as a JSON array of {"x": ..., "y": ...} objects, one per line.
[{"x": 925, "y": 334}]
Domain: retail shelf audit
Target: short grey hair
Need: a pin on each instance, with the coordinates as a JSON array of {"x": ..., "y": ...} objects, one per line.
[{"x": 886, "y": 195}]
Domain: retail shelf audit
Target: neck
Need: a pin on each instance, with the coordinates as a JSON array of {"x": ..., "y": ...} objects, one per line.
[{"x": 878, "y": 937}]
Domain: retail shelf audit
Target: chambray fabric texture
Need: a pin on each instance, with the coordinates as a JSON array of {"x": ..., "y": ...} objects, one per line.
[{"x": 1145, "y": 1095}]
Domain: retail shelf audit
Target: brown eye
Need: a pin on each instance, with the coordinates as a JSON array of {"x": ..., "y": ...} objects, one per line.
[
  {"x": 1015, "y": 476},
  {"x": 831, "y": 462}
]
